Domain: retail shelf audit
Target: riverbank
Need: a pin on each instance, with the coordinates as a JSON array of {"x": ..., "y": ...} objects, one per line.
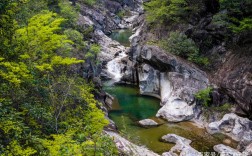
[{"x": 173, "y": 80}]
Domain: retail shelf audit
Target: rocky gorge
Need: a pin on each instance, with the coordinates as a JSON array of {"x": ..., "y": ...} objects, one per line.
[{"x": 173, "y": 80}]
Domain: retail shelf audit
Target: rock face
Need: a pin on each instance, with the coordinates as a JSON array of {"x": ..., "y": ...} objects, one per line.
[
  {"x": 104, "y": 16},
  {"x": 240, "y": 129},
  {"x": 147, "y": 122},
  {"x": 182, "y": 145},
  {"x": 128, "y": 148},
  {"x": 235, "y": 77},
  {"x": 171, "y": 79}
]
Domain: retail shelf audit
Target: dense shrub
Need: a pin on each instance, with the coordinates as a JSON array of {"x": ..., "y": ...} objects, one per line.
[
  {"x": 204, "y": 96},
  {"x": 235, "y": 15},
  {"x": 46, "y": 107},
  {"x": 162, "y": 11},
  {"x": 178, "y": 43}
]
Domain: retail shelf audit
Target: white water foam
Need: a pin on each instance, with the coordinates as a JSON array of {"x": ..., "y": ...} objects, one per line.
[{"x": 114, "y": 67}]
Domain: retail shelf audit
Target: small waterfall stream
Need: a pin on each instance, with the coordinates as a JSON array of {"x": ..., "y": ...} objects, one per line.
[{"x": 115, "y": 66}]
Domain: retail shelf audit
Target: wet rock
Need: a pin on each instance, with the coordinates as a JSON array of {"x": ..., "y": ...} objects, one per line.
[
  {"x": 173, "y": 138},
  {"x": 109, "y": 47},
  {"x": 182, "y": 145},
  {"x": 234, "y": 126},
  {"x": 226, "y": 150},
  {"x": 147, "y": 122},
  {"x": 109, "y": 100}
]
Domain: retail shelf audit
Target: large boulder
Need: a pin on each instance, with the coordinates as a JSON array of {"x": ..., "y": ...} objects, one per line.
[
  {"x": 182, "y": 145},
  {"x": 234, "y": 126},
  {"x": 171, "y": 79},
  {"x": 176, "y": 110},
  {"x": 147, "y": 122}
]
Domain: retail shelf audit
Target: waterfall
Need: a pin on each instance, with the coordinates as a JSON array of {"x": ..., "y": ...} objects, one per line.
[{"x": 115, "y": 67}]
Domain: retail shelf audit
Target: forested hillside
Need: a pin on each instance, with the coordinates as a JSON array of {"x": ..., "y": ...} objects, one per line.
[
  {"x": 46, "y": 106},
  {"x": 73, "y": 74}
]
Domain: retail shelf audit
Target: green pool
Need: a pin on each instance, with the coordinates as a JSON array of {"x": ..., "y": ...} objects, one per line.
[
  {"x": 130, "y": 107},
  {"x": 122, "y": 36}
]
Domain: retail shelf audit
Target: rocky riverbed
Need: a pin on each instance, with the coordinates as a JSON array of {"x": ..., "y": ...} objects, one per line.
[{"x": 162, "y": 75}]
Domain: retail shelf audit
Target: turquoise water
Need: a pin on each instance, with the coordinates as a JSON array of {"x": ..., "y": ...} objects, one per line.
[
  {"x": 122, "y": 36},
  {"x": 130, "y": 107}
]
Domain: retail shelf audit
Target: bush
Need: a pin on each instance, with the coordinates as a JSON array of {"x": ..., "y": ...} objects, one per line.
[
  {"x": 204, "y": 96},
  {"x": 161, "y": 11},
  {"x": 89, "y": 2},
  {"x": 180, "y": 45},
  {"x": 236, "y": 15}
]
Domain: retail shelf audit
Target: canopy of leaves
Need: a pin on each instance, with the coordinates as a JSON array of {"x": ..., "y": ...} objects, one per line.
[
  {"x": 45, "y": 107},
  {"x": 164, "y": 11}
]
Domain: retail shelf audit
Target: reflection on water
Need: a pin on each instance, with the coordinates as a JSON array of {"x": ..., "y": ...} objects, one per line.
[
  {"x": 122, "y": 36},
  {"x": 130, "y": 107}
]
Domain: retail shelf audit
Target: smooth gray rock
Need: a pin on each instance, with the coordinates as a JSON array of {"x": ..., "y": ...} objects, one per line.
[
  {"x": 182, "y": 145},
  {"x": 176, "y": 110},
  {"x": 173, "y": 138},
  {"x": 148, "y": 122},
  {"x": 226, "y": 150},
  {"x": 236, "y": 127}
]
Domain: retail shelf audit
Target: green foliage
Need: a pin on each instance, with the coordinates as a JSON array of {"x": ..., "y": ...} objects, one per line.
[
  {"x": 180, "y": 45},
  {"x": 14, "y": 72},
  {"x": 68, "y": 12},
  {"x": 245, "y": 25},
  {"x": 121, "y": 13},
  {"x": 236, "y": 15},
  {"x": 45, "y": 107},
  {"x": 204, "y": 96},
  {"x": 89, "y": 2},
  {"x": 93, "y": 51},
  {"x": 163, "y": 11},
  {"x": 171, "y": 11},
  {"x": 15, "y": 149}
]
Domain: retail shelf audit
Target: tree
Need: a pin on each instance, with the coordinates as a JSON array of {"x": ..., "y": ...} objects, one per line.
[{"x": 165, "y": 11}]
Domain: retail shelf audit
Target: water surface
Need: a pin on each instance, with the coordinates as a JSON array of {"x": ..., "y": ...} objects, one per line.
[
  {"x": 122, "y": 36},
  {"x": 130, "y": 107}
]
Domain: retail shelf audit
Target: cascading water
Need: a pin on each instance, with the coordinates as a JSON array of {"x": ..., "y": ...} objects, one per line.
[{"x": 114, "y": 67}]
